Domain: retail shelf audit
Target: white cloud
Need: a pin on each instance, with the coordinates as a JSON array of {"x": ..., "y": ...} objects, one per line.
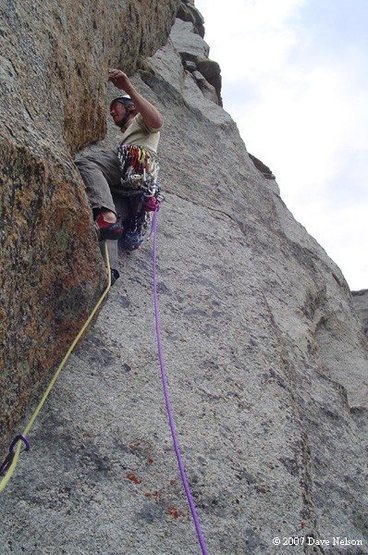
[
  {"x": 304, "y": 113},
  {"x": 248, "y": 35}
]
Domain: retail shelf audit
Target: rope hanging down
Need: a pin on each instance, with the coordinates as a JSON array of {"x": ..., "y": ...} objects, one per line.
[
  {"x": 169, "y": 410},
  {"x": 10, "y": 463}
]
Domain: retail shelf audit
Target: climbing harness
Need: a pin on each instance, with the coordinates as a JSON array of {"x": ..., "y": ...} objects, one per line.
[
  {"x": 165, "y": 387},
  {"x": 8, "y": 466},
  {"x": 141, "y": 190}
]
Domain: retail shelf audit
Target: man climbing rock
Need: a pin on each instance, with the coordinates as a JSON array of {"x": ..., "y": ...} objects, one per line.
[{"x": 129, "y": 171}]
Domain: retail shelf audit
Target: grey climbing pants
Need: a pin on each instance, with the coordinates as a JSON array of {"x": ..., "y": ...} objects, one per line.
[{"x": 100, "y": 172}]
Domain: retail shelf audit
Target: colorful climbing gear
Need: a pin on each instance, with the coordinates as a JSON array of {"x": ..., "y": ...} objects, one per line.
[
  {"x": 151, "y": 204},
  {"x": 139, "y": 222},
  {"x": 139, "y": 170}
]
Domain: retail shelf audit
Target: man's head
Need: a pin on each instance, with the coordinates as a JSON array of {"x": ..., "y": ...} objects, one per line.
[{"x": 122, "y": 109}]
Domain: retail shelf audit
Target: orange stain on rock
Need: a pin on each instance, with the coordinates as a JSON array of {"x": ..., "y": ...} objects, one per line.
[
  {"x": 155, "y": 495},
  {"x": 134, "y": 478},
  {"x": 174, "y": 512}
]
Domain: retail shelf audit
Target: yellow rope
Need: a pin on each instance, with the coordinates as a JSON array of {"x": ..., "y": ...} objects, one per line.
[{"x": 4, "y": 481}]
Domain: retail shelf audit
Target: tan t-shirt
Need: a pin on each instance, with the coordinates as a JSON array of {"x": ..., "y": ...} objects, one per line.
[{"x": 140, "y": 134}]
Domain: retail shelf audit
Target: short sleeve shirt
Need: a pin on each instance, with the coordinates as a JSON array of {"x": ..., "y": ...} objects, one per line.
[{"x": 140, "y": 134}]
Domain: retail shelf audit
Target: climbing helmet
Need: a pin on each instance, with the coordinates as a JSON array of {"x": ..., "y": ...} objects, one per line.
[{"x": 125, "y": 100}]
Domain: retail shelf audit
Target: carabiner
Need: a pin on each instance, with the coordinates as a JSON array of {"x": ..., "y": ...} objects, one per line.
[{"x": 10, "y": 456}]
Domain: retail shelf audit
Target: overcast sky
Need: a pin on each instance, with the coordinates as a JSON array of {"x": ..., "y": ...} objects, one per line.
[{"x": 295, "y": 80}]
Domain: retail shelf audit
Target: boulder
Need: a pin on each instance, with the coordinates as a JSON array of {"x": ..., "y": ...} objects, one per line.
[
  {"x": 207, "y": 89},
  {"x": 212, "y": 72},
  {"x": 208, "y": 68},
  {"x": 188, "y": 12},
  {"x": 189, "y": 45}
]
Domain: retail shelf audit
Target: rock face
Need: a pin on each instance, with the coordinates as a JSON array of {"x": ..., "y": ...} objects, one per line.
[
  {"x": 53, "y": 67},
  {"x": 267, "y": 363},
  {"x": 194, "y": 54},
  {"x": 360, "y": 300},
  {"x": 188, "y": 12},
  {"x": 265, "y": 170}
]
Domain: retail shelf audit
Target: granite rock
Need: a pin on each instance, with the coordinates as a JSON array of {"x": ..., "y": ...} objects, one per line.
[
  {"x": 212, "y": 73},
  {"x": 267, "y": 367},
  {"x": 360, "y": 301},
  {"x": 194, "y": 51},
  {"x": 207, "y": 89},
  {"x": 265, "y": 170},
  {"x": 188, "y": 12},
  {"x": 190, "y": 45},
  {"x": 53, "y": 67}
]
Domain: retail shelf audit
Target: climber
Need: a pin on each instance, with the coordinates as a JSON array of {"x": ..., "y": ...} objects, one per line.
[{"x": 130, "y": 170}]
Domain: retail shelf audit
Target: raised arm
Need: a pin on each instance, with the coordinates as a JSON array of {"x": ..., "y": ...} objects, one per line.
[{"x": 151, "y": 116}]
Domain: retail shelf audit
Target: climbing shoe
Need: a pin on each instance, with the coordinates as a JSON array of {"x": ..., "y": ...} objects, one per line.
[
  {"x": 131, "y": 241},
  {"x": 134, "y": 234},
  {"x": 107, "y": 230}
]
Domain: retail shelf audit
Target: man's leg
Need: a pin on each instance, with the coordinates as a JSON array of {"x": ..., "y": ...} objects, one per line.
[
  {"x": 100, "y": 171},
  {"x": 97, "y": 171}
]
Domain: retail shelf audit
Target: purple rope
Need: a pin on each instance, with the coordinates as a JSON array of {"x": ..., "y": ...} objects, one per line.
[{"x": 169, "y": 411}]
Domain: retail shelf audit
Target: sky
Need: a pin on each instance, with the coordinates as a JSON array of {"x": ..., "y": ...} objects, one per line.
[{"x": 295, "y": 80}]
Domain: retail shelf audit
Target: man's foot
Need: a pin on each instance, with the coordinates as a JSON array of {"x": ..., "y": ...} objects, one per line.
[
  {"x": 131, "y": 241},
  {"x": 107, "y": 229}
]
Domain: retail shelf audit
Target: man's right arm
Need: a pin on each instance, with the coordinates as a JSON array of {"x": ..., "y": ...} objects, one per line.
[{"x": 151, "y": 116}]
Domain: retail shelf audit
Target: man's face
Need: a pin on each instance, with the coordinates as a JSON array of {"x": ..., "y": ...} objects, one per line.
[{"x": 118, "y": 112}]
